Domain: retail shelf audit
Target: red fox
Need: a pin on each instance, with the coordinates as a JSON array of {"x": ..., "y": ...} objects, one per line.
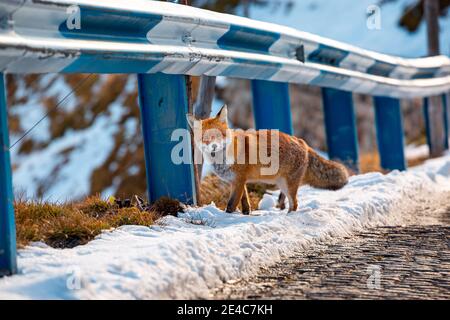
[{"x": 239, "y": 157}]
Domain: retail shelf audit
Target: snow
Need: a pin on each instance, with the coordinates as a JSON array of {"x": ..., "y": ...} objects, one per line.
[
  {"x": 51, "y": 165},
  {"x": 267, "y": 202},
  {"x": 346, "y": 21},
  {"x": 413, "y": 151},
  {"x": 39, "y": 165},
  {"x": 185, "y": 257}
]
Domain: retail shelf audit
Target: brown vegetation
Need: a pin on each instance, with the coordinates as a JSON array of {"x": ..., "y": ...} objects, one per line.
[
  {"x": 213, "y": 189},
  {"x": 370, "y": 162},
  {"x": 70, "y": 224}
]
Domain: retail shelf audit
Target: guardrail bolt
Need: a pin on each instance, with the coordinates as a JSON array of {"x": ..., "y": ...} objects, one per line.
[
  {"x": 187, "y": 38},
  {"x": 300, "y": 53}
]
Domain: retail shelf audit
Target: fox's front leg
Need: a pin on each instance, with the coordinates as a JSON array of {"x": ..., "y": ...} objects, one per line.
[
  {"x": 281, "y": 200},
  {"x": 237, "y": 190},
  {"x": 245, "y": 202}
]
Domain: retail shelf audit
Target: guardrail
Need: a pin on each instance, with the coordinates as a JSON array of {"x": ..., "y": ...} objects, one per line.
[
  {"x": 162, "y": 41},
  {"x": 139, "y": 36}
]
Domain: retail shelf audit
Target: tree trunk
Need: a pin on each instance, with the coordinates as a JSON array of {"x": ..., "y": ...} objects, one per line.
[
  {"x": 435, "y": 109},
  {"x": 205, "y": 97},
  {"x": 197, "y": 174},
  {"x": 202, "y": 107},
  {"x": 432, "y": 18}
]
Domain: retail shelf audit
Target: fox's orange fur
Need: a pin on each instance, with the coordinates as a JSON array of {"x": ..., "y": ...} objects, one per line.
[{"x": 298, "y": 163}]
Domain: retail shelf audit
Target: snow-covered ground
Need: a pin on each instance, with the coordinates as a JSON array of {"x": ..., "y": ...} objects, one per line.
[
  {"x": 185, "y": 257},
  {"x": 413, "y": 151},
  {"x": 68, "y": 174}
]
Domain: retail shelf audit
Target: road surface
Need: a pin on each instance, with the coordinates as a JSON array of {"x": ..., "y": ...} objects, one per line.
[{"x": 410, "y": 261}]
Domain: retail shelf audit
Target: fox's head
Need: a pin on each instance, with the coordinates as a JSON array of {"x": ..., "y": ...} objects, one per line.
[{"x": 210, "y": 135}]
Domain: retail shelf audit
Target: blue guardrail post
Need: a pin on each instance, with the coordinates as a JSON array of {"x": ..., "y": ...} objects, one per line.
[
  {"x": 164, "y": 104},
  {"x": 340, "y": 127},
  {"x": 271, "y": 106},
  {"x": 390, "y": 139},
  {"x": 8, "y": 264},
  {"x": 446, "y": 101}
]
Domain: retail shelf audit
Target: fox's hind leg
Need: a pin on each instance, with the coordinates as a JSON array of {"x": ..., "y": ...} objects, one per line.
[
  {"x": 281, "y": 200},
  {"x": 292, "y": 195},
  {"x": 289, "y": 187},
  {"x": 293, "y": 203},
  {"x": 245, "y": 202},
  {"x": 284, "y": 190}
]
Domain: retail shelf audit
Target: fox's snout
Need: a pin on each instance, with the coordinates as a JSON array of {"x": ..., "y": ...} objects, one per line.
[{"x": 213, "y": 145}]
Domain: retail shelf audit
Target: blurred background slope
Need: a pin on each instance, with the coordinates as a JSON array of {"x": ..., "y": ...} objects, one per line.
[{"x": 92, "y": 143}]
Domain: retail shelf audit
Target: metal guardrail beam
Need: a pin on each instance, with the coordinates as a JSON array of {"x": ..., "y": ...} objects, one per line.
[{"x": 141, "y": 36}]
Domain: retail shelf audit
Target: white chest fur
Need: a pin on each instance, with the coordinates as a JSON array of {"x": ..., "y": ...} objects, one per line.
[{"x": 223, "y": 171}]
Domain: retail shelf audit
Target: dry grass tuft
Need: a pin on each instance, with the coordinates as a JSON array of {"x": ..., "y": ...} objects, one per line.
[
  {"x": 370, "y": 162},
  {"x": 71, "y": 224},
  {"x": 166, "y": 206},
  {"x": 94, "y": 206},
  {"x": 213, "y": 189},
  {"x": 417, "y": 161}
]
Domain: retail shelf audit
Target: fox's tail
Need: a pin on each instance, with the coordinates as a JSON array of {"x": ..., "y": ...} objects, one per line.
[{"x": 323, "y": 173}]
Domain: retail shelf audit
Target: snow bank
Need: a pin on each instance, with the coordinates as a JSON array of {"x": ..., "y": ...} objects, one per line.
[
  {"x": 413, "y": 151},
  {"x": 186, "y": 256}
]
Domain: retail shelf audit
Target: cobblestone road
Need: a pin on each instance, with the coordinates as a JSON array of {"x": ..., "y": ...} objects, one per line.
[{"x": 391, "y": 262}]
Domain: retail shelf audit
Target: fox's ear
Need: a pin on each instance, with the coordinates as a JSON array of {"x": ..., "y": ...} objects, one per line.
[
  {"x": 191, "y": 120},
  {"x": 223, "y": 114}
]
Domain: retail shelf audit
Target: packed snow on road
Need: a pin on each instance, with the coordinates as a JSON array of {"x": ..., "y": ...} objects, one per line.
[{"x": 186, "y": 256}]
